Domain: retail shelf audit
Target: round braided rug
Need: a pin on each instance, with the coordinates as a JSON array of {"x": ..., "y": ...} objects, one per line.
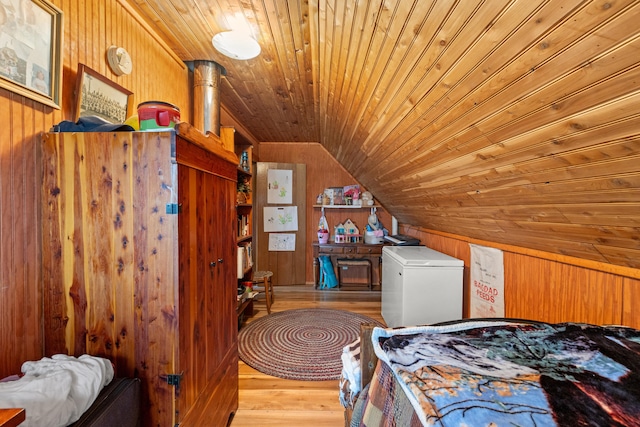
[{"x": 303, "y": 344}]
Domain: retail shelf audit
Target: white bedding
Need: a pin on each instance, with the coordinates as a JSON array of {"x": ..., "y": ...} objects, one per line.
[{"x": 56, "y": 391}]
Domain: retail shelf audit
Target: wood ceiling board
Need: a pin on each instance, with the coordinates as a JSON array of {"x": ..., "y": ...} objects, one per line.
[
  {"x": 511, "y": 107},
  {"x": 427, "y": 102}
]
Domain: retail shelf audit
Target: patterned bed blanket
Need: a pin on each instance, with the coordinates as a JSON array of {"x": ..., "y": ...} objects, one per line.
[{"x": 483, "y": 373}]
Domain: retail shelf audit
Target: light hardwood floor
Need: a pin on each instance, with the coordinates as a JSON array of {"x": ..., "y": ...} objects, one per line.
[{"x": 270, "y": 401}]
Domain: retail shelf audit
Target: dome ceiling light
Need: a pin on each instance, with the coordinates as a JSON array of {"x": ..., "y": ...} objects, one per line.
[{"x": 236, "y": 45}]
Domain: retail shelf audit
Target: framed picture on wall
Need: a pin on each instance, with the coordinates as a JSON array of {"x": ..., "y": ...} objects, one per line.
[
  {"x": 31, "y": 50},
  {"x": 96, "y": 95}
]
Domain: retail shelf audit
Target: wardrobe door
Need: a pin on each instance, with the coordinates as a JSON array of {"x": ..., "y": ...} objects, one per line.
[
  {"x": 208, "y": 325},
  {"x": 221, "y": 241}
]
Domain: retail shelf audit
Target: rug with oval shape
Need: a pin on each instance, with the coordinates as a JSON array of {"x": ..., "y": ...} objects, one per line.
[{"x": 301, "y": 344}]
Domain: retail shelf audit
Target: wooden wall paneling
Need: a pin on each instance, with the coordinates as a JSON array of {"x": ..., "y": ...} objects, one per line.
[
  {"x": 89, "y": 28},
  {"x": 322, "y": 172},
  {"x": 527, "y": 294},
  {"x": 8, "y": 316},
  {"x": 631, "y": 300},
  {"x": 547, "y": 290},
  {"x": 18, "y": 259},
  {"x": 32, "y": 252},
  {"x": 289, "y": 268},
  {"x": 598, "y": 297}
]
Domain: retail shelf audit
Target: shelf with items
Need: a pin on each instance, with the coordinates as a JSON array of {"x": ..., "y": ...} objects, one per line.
[
  {"x": 244, "y": 212},
  {"x": 245, "y": 258},
  {"x": 244, "y": 238},
  {"x": 245, "y": 157},
  {"x": 338, "y": 221},
  {"x": 243, "y": 196},
  {"x": 244, "y": 221},
  {"x": 375, "y": 205}
]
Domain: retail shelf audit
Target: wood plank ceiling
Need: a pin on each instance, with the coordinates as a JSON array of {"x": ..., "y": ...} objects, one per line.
[{"x": 508, "y": 121}]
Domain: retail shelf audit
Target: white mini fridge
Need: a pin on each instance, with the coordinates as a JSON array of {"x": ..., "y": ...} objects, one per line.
[{"x": 420, "y": 286}]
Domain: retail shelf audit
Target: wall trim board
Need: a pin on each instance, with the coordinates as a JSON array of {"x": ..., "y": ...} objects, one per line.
[
  {"x": 134, "y": 13},
  {"x": 228, "y": 119},
  {"x": 579, "y": 262}
]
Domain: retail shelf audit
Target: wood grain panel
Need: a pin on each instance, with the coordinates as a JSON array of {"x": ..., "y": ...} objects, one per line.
[
  {"x": 207, "y": 286},
  {"x": 439, "y": 106},
  {"x": 123, "y": 333},
  {"x": 555, "y": 292},
  {"x": 149, "y": 304},
  {"x": 19, "y": 231},
  {"x": 322, "y": 172},
  {"x": 546, "y": 289},
  {"x": 460, "y": 117},
  {"x": 508, "y": 111},
  {"x": 90, "y": 27},
  {"x": 155, "y": 279},
  {"x": 288, "y": 267},
  {"x": 631, "y": 298}
]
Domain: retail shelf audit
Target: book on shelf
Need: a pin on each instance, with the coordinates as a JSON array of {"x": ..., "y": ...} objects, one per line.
[
  {"x": 245, "y": 260},
  {"x": 243, "y": 226}
]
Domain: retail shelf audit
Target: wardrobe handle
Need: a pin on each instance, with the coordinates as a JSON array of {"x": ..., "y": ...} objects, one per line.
[
  {"x": 220, "y": 260},
  {"x": 212, "y": 264}
]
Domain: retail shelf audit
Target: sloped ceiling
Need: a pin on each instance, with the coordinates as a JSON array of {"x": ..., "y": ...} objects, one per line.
[{"x": 509, "y": 121}]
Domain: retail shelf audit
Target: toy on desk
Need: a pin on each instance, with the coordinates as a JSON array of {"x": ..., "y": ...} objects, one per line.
[
  {"x": 352, "y": 233},
  {"x": 351, "y": 195},
  {"x": 373, "y": 221},
  {"x": 375, "y": 232},
  {"x": 347, "y": 233},
  {"x": 339, "y": 233},
  {"x": 323, "y": 230},
  {"x": 367, "y": 198}
]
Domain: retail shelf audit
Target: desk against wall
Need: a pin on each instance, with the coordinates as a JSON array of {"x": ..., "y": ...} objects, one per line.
[{"x": 350, "y": 252}]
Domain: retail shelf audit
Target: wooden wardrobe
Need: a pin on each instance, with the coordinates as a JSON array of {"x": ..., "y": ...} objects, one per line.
[{"x": 139, "y": 259}]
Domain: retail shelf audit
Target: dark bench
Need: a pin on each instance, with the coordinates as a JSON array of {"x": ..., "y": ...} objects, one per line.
[{"x": 117, "y": 405}]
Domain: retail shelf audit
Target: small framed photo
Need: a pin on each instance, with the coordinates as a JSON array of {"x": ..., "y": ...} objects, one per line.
[
  {"x": 31, "y": 50},
  {"x": 335, "y": 195},
  {"x": 96, "y": 95}
]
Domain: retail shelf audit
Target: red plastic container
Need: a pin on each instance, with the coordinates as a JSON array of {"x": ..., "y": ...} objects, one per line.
[{"x": 155, "y": 115}]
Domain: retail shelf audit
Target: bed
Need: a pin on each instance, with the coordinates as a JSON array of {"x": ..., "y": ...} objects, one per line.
[
  {"x": 493, "y": 372},
  {"x": 64, "y": 390}
]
